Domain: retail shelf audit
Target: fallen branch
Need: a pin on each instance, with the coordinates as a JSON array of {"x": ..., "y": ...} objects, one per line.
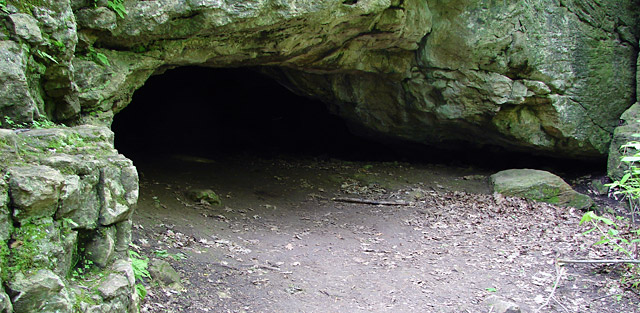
[
  {"x": 559, "y": 272},
  {"x": 599, "y": 261},
  {"x": 367, "y": 201}
]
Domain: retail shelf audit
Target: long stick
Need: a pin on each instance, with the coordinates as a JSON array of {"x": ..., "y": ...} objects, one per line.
[
  {"x": 366, "y": 201},
  {"x": 599, "y": 261},
  {"x": 559, "y": 272}
]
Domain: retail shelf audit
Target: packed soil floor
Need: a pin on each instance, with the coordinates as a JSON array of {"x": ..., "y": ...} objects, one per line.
[{"x": 324, "y": 235}]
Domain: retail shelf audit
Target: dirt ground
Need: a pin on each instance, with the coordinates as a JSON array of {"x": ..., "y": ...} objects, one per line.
[{"x": 283, "y": 242}]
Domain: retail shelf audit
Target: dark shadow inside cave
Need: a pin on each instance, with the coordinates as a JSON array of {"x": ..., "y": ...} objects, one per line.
[
  {"x": 209, "y": 112},
  {"x": 205, "y": 112}
]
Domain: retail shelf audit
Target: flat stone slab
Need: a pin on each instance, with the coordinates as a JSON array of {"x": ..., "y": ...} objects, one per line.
[{"x": 539, "y": 186}]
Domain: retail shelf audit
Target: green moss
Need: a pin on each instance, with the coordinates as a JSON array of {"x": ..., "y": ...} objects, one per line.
[
  {"x": 546, "y": 194},
  {"x": 4, "y": 260},
  {"x": 24, "y": 252},
  {"x": 26, "y": 6}
]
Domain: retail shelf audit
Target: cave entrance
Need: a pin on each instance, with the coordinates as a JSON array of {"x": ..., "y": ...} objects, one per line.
[{"x": 208, "y": 112}]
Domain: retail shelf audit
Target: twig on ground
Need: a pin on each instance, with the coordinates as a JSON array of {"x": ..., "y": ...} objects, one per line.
[
  {"x": 367, "y": 201},
  {"x": 560, "y": 304},
  {"x": 560, "y": 272},
  {"x": 598, "y": 261}
]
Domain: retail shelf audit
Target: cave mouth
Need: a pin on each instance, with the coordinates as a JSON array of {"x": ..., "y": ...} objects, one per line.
[
  {"x": 222, "y": 112},
  {"x": 209, "y": 112}
]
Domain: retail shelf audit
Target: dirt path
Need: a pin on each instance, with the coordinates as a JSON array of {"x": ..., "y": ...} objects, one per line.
[{"x": 279, "y": 243}]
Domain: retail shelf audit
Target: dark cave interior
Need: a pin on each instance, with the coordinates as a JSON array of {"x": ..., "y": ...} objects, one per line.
[{"x": 208, "y": 112}]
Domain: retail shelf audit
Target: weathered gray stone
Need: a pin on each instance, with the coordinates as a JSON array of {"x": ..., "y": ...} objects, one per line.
[
  {"x": 539, "y": 186},
  {"x": 5, "y": 214},
  {"x": 42, "y": 291},
  {"x": 16, "y": 101},
  {"x": 100, "y": 18},
  {"x": 101, "y": 246},
  {"x": 5, "y": 301},
  {"x": 119, "y": 193},
  {"x": 65, "y": 257},
  {"x": 164, "y": 273},
  {"x": 622, "y": 135},
  {"x": 501, "y": 305},
  {"x": 25, "y": 27},
  {"x": 34, "y": 191},
  {"x": 79, "y": 200},
  {"x": 123, "y": 266},
  {"x": 116, "y": 306},
  {"x": 115, "y": 285},
  {"x": 123, "y": 235}
]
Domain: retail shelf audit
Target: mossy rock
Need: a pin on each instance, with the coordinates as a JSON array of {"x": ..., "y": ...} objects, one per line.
[
  {"x": 539, "y": 186},
  {"x": 207, "y": 195}
]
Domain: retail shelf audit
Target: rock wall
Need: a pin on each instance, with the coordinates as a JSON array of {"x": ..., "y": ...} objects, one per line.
[
  {"x": 544, "y": 76},
  {"x": 66, "y": 198}
]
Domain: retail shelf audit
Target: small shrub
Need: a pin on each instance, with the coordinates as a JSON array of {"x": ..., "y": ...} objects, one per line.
[{"x": 140, "y": 267}]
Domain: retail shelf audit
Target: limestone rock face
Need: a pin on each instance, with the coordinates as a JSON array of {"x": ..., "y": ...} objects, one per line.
[
  {"x": 54, "y": 183},
  {"x": 542, "y": 76},
  {"x": 539, "y": 186}
]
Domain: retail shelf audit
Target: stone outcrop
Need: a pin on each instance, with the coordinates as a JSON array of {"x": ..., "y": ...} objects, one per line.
[
  {"x": 542, "y": 76},
  {"x": 540, "y": 186},
  {"x": 58, "y": 195},
  {"x": 623, "y": 134}
]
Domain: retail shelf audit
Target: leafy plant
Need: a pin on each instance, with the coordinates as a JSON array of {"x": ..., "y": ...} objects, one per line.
[
  {"x": 629, "y": 185},
  {"x": 140, "y": 267},
  {"x": 46, "y": 56},
  {"x": 98, "y": 57},
  {"x": 8, "y": 123},
  {"x": 38, "y": 124},
  {"x": 118, "y": 7},
  {"x": 622, "y": 240},
  {"x": 163, "y": 254}
]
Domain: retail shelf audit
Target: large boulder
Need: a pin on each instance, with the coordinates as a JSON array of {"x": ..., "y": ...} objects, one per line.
[
  {"x": 42, "y": 291},
  {"x": 34, "y": 191},
  {"x": 16, "y": 101},
  {"x": 539, "y": 186}
]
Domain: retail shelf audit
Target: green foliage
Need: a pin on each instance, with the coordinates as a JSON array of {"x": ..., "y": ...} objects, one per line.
[
  {"x": 140, "y": 267},
  {"x": 45, "y": 56},
  {"x": 71, "y": 140},
  {"x": 619, "y": 234},
  {"x": 25, "y": 249},
  {"x": 629, "y": 185},
  {"x": 3, "y": 6},
  {"x": 115, "y": 5},
  {"x": 118, "y": 7},
  {"x": 9, "y": 123},
  {"x": 4, "y": 260},
  {"x": 58, "y": 44},
  {"x": 98, "y": 57},
  {"x": 621, "y": 237},
  {"x": 163, "y": 254}
]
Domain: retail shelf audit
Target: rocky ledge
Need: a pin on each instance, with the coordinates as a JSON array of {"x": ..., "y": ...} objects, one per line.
[{"x": 66, "y": 197}]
